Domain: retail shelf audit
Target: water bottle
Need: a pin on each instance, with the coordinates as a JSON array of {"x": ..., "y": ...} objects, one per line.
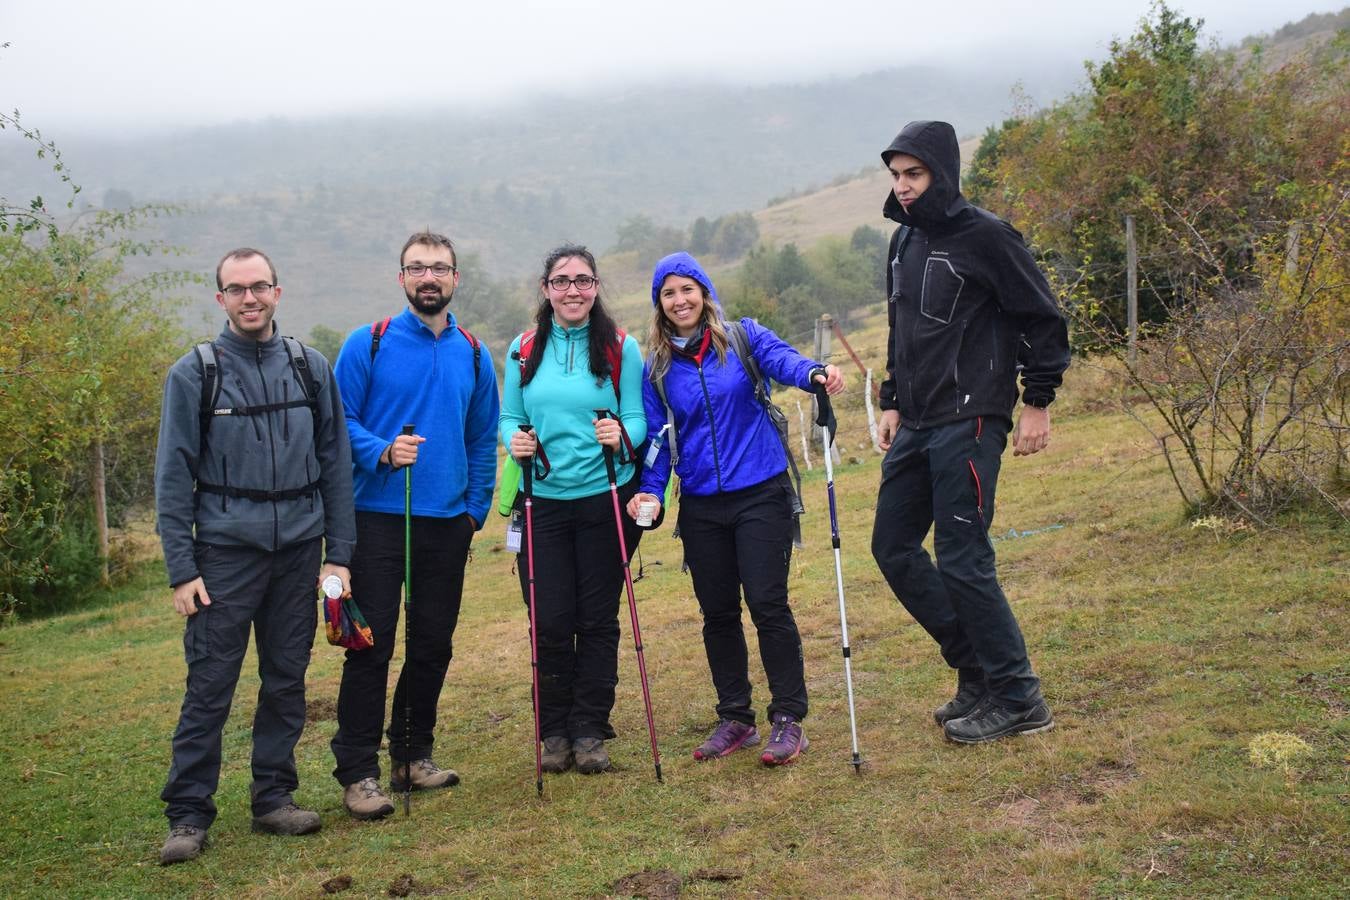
[{"x": 332, "y": 587}]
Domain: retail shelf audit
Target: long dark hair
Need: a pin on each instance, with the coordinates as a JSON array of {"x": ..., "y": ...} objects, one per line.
[{"x": 602, "y": 333}]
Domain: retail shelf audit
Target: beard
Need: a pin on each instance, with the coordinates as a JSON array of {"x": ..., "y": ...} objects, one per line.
[{"x": 429, "y": 302}]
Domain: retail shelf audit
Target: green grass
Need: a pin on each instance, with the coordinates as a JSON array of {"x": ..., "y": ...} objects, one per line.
[{"x": 1163, "y": 649}]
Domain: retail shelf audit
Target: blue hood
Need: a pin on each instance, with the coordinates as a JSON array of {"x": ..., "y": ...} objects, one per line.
[{"x": 682, "y": 264}]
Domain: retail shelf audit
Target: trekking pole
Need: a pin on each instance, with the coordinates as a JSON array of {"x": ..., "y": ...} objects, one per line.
[
  {"x": 825, "y": 419},
  {"x": 632, "y": 600},
  {"x": 407, "y": 632},
  {"x": 527, "y": 474}
]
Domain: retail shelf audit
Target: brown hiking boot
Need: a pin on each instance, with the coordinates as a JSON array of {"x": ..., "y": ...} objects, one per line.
[
  {"x": 426, "y": 775},
  {"x": 184, "y": 842},
  {"x": 591, "y": 756},
  {"x": 557, "y": 755},
  {"x": 365, "y": 800},
  {"x": 288, "y": 819}
]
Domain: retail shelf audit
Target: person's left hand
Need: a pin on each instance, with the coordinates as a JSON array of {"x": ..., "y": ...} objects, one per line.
[
  {"x": 1032, "y": 433},
  {"x": 607, "y": 432},
  {"x": 833, "y": 380},
  {"x": 341, "y": 572}
]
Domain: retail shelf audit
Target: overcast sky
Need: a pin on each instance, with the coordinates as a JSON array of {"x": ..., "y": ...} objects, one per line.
[{"x": 118, "y": 65}]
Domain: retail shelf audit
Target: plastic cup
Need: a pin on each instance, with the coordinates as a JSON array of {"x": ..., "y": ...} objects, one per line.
[
  {"x": 332, "y": 587},
  {"x": 646, "y": 512}
]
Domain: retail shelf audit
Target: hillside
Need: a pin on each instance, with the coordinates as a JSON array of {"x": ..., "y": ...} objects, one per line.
[{"x": 1167, "y": 650}]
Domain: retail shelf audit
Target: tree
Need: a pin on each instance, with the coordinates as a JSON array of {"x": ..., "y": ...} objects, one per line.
[
  {"x": 1235, "y": 174},
  {"x": 734, "y": 234}
]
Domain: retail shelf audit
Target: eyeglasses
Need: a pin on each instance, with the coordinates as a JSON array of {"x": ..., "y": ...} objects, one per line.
[
  {"x": 262, "y": 290},
  {"x": 417, "y": 270},
  {"x": 562, "y": 282}
]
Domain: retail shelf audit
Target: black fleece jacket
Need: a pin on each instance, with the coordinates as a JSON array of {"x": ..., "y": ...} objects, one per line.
[{"x": 967, "y": 304}]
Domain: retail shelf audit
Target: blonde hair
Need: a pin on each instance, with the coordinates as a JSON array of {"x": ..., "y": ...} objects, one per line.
[{"x": 658, "y": 338}]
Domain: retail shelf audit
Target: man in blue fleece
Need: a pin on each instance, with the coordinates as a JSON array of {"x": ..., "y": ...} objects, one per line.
[
  {"x": 969, "y": 311},
  {"x": 419, "y": 368}
]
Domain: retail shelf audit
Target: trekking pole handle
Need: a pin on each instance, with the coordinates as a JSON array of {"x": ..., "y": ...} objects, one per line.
[
  {"x": 527, "y": 468},
  {"x": 823, "y": 409},
  {"x": 609, "y": 451}
]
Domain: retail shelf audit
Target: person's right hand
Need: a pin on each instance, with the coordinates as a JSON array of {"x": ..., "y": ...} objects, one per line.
[
  {"x": 639, "y": 499},
  {"x": 523, "y": 445},
  {"x": 186, "y": 593},
  {"x": 403, "y": 451},
  {"x": 888, "y": 427}
]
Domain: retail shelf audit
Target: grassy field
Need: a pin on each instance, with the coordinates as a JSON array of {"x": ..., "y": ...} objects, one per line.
[{"x": 1165, "y": 650}]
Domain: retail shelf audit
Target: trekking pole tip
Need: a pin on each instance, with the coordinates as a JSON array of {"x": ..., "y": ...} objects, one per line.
[{"x": 409, "y": 429}]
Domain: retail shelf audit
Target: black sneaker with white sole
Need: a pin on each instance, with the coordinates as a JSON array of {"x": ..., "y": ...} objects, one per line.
[
  {"x": 989, "y": 722},
  {"x": 969, "y": 694}
]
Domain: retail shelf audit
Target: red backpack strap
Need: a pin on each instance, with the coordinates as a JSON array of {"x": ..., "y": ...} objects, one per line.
[
  {"x": 377, "y": 330},
  {"x": 477, "y": 349},
  {"x": 523, "y": 350}
]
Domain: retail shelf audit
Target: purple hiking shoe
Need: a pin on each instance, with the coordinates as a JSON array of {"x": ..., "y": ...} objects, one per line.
[
  {"x": 786, "y": 741},
  {"x": 728, "y": 737}
]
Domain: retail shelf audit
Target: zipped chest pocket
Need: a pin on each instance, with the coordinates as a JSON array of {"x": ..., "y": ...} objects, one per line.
[{"x": 941, "y": 289}]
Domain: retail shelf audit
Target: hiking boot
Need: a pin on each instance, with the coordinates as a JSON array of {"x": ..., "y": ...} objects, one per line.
[
  {"x": 426, "y": 776},
  {"x": 728, "y": 737},
  {"x": 184, "y": 842},
  {"x": 365, "y": 800},
  {"x": 591, "y": 756},
  {"x": 989, "y": 722},
  {"x": 968, "y": 696},
  {"x": 786, "y": 741},
  {"x": 288, "y": 819},
  {"x": 557, "y": 754}
]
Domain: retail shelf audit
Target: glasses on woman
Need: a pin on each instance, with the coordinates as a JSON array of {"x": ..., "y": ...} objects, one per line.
[
  {"x": 262, "y": 290},
  {"x": 417, "y": 270},
  {"x": 562, "y": 282}
]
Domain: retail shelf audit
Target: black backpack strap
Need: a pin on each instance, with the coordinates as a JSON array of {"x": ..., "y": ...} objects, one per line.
[
  {"x": 303, "y": 373},
  {"x": 477, "y": 350},
  {"x": 206, "y": 357},
  {"x": 377, "y": 330}
]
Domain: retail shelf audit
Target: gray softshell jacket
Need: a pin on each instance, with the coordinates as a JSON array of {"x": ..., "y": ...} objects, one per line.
[{"x": 276, "y": 450}]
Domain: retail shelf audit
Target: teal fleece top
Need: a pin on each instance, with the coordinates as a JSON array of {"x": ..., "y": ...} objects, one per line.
[{"x": 560, "y": 402}]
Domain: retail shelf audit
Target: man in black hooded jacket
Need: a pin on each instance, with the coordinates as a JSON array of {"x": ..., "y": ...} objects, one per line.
[{"x": 968, "y": 309}]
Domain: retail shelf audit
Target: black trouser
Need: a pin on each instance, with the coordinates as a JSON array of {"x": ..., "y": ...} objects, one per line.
[
  {"x": 274, "y": 593},
  {"x": 578, "y": 577},
  {"x": 440, "y": 549},
  {"x": 744, "y": 539},
  {"x": 944, "y": 478}
]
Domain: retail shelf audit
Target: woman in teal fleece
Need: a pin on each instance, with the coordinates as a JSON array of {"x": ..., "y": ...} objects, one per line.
[{"x": 555, "y": 385}]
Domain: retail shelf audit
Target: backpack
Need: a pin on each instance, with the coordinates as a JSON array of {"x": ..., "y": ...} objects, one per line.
[
  {"x": 211, "y": 379},
  {"x": 511, "y": 469},
  {"x": 739, "y": 343}
]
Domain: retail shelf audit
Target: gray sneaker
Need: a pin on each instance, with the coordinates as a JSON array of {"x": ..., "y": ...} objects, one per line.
[
  {"x": 592, "y": 758},
  {"x": 184, "y": 842},
  {"x": 557, "y": 756},
  {"x": 288, "y": 819},
  {"x": 989, "y": 722},
  {"x": 366, "y": 800}
]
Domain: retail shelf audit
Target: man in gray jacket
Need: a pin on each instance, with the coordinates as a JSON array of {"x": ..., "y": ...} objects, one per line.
[{"x": 253, "y": 481}]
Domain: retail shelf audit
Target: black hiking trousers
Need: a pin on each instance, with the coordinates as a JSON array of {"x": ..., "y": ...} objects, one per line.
[
  {"x": 440, "y": 550},
  {"x": 742, "y": 540},
  {"x": 578, "y": 580},
  {"x": 273, "y": 595},
  {"x": 944, "y": 478}
]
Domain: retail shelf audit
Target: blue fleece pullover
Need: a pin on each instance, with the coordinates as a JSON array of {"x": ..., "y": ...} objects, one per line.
[
  {"x": 560, "y": 402},
  {"x": 427, "y": 381},
  {"x": 724, "y": 436}
]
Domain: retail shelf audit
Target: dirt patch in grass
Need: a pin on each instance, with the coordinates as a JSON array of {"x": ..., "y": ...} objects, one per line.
[
  {"x": 1038, "y": 813},
  {"x": 1331, "y": 688},
  {"x": 654, "y": 885},
  {"x": 320, "y": 709}
]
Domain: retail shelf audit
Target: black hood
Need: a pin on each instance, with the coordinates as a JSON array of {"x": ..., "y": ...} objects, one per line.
[{"x": 935, "y": 144}]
